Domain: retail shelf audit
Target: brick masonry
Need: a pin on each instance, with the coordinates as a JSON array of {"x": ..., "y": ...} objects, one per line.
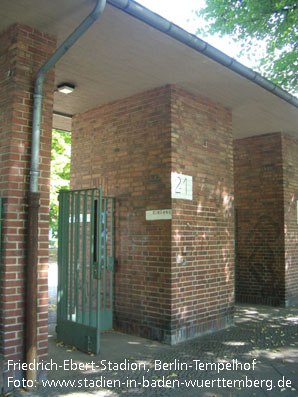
[
  {"x": 22, "y": 51},
  {"x": 130, "y": 148},
  {"x": 202, "y": 229},
  {"x": 266, "y": 194},
  {"x": 125, "y": 147},
  {"x": 290, "y": 186},
  {"x": 175, "y": 278}
]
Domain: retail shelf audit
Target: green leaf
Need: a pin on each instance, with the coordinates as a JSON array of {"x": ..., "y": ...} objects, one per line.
[
  {"x": 251, "y": 22},
  {"x": 60, "y": 172}
]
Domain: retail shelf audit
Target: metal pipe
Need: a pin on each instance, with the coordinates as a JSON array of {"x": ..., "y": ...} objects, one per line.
[
  {"x": 31, "y": 285},
  {"x": 138, "y": 11},
  {"x": 33, "y": 202},
  {"x": 65, "y": 46}
]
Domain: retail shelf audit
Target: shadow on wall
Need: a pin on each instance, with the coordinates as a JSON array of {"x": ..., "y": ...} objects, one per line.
[
  {"x": 260, "y": 263},
  {"x": 203, "y": 237}
]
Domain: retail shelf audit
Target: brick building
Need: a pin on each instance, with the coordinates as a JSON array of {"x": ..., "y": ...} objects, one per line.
[{"x": 153, "y": 108}]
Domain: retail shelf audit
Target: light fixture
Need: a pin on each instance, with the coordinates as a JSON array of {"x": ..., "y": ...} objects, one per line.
[{"x": 66, "y": 88}]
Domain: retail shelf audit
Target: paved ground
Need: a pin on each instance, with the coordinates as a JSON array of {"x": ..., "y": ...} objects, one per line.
[{"x": 256, "y": 357}]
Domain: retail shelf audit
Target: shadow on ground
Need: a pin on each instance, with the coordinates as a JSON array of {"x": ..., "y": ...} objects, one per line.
[{"x": 256, "y": 357}]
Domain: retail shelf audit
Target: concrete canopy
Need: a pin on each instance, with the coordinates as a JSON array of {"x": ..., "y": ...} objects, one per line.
[{"x": 120, "y": 56}]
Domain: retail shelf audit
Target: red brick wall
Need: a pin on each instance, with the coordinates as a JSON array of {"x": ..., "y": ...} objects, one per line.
[
  {"x": 22, "y": 51},
  {"x": 259, "y": 202},
  {"x": 130, "y": 147},
  {"x": 290, "y": 170},
  {"x": 202, "y": 229},
  {"x": 125, "y": 147}
]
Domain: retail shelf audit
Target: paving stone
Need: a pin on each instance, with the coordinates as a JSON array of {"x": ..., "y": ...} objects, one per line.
[{"x": 265, "y": 336}]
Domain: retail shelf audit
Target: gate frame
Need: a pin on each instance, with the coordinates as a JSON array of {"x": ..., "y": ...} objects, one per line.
[{"x": 82, "y": 328}]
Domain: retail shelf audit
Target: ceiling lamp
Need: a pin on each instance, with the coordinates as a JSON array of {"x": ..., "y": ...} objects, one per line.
[{"x": 66, "y": 88}]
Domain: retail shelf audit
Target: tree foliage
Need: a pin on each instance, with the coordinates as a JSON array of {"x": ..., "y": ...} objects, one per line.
[
  {"x": 272, "y": 21},
  {"x": 60, "y": 172}
]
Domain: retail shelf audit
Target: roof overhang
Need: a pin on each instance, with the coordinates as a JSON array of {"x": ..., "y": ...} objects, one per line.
[{"x": 121, "y": 55}]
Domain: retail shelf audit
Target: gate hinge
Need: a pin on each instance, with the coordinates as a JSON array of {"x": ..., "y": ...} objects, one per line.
[
  {"x": 110, "y": 265},
  {"x": 97, "y": 271}
]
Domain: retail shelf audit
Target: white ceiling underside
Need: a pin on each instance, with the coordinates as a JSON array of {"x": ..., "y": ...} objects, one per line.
[{"x": 120, "y": 56}]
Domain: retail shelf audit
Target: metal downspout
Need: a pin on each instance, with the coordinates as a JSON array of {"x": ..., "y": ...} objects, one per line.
[{"x": 34, "y": 195}]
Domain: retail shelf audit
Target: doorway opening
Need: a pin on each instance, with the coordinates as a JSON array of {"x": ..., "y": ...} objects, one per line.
[{"x": 60, "y": 180}]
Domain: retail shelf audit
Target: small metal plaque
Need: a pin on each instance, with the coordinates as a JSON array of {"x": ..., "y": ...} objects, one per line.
[{"x": 156, "y": 215}]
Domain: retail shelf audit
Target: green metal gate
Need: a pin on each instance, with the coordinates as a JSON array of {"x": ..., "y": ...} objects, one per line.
[
  {"x": 85, "y": 267},
  {"x": 0, "y": 235}
]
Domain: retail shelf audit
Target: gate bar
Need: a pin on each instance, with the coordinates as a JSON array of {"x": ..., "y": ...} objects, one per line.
[
  {"x": 112, "y": 253},
  {"x": 0, "y": 235},
  {"x": 66, "y": 210},
  {"x": 77, "y": 254},
  {"x": 98, "y": 267},
  {"x": 105, "y": 255},
  {"x": 91, "y": 259},
  {"x": 70, "y": 312},
  {"x": 84, "y": 251}
]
